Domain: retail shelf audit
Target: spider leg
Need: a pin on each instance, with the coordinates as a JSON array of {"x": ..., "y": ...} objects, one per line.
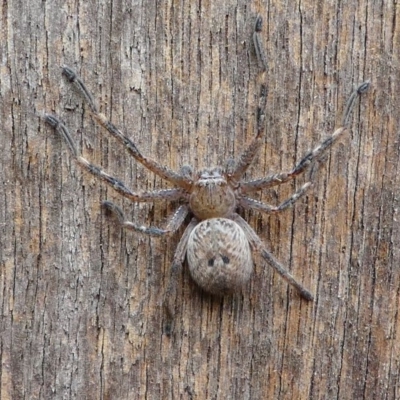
[
  {"x": 246, "y": 158},
  {"x": 262, "y": 59},
  {"x": 313, "y": 155},
  {"x": 229, "y": 166},
  {"x": 62, "y": 130},
  {"x": 258, "y": 246},
  {"x": 178, "y": 218},
  {"x": 173, "y": 225},
  {"x": 158, "y": 169},
  {"x": 237, "y": 170},
  {"x": 249, "y": 203},
  {"x": 179, "y": 258}
]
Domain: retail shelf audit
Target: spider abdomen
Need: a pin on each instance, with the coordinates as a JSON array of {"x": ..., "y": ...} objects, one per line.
[{"x": 219, "y": 256}]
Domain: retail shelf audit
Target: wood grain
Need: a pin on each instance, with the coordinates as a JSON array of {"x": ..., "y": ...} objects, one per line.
[{"x": 80, "y": 299}]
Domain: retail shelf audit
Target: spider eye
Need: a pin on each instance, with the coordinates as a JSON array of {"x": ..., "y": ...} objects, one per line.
[{"x": 210, "y": 173}]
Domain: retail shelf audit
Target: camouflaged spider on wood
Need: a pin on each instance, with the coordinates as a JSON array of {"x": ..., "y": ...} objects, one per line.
[{"x": 217, "y": 242}]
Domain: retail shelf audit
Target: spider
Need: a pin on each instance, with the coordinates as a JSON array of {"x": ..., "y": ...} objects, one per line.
[{"x": 217, "y": 242}]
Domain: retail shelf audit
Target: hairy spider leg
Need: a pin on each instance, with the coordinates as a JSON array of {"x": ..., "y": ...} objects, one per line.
[
  {"x": 118, "y": 186},
  {"x": 176, "y": 268},
  {"x": 259, "y": 247},
  {"x": 277, "y": 179},
  {"x": 258, "y": 47},
  {"x": 160, "y": 170},
  {"x": 246, "y": 158},
  {"x": 253, "y": 204},
  {"x": 236, "y": 169},
  {"x": 173, "y": 225}
]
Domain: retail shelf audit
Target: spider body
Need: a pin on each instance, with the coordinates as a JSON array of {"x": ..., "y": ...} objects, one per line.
[{"x": 217, "y": 242}]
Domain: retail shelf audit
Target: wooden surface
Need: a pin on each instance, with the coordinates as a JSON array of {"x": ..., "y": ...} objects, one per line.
[{"x": 80, "y": 299}]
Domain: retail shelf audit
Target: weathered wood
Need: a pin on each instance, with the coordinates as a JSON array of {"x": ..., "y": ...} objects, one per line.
[{"x": 80, "y": 299}]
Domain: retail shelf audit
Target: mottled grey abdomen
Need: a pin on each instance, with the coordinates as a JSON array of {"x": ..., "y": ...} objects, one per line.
[{"x": 219, "y": 256}]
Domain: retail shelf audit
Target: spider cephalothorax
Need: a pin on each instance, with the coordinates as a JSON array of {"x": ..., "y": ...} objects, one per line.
[
  {"x": 217, "y": 240},
  {"x": 211, "y": 195}
]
